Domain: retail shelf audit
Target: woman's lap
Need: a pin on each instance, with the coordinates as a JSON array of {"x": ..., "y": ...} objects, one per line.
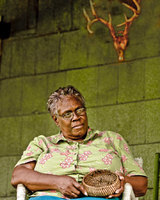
[{"x": 58, "y": 198}]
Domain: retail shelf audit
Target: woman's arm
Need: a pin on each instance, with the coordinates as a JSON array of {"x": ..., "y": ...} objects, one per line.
[
  {"x": 139, "y": 184},
  {"x": 138, "y": 180},
  {"x": 34, "y": 180}
]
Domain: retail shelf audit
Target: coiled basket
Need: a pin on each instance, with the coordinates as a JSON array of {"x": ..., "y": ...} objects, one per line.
[{"x": 101, "y": 183}]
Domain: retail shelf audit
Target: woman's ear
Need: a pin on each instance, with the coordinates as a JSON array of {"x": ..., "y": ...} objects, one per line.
[{"x": 56, "y": 120}]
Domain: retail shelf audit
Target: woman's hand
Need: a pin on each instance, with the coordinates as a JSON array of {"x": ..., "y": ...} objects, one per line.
[
  {"x": 69, "y": 187},
  {"x": 34, "y": 181},
  {"x": 139, "y": 185},
  {"x": 119, "y": 191}
]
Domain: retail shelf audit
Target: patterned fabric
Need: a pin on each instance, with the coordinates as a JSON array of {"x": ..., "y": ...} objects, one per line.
[{"x": 99, "y": 150}]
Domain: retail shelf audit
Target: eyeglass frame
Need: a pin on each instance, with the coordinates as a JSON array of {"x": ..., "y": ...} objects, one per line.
[{"x": 72, "y": 113}]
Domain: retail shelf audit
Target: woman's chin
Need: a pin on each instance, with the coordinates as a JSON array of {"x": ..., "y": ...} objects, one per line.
[{"x": 78, "y": 134}]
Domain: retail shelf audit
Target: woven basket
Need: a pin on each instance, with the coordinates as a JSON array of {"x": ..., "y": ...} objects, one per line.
[{"x": 101, "y": 183}]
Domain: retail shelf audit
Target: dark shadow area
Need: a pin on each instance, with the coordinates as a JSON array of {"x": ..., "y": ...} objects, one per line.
[{"x": 5, "y": 29}]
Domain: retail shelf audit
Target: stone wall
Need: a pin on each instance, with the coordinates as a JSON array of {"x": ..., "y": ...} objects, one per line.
[{"x": 49, "y": 47}]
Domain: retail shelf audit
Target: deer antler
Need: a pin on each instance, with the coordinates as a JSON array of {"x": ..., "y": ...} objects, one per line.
[
  {"x": 136, "y": 12},
  {"x": 90, "y": 22},
  {"x": 120, "y": 40}
]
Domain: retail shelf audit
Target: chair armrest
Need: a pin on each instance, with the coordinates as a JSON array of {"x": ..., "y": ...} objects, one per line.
[
  {"x": 21, "y": 192},
  {"x": 128, "y": 193}
]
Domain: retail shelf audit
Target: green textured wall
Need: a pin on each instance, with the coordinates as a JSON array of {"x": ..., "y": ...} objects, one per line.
[{"x": 50, "y": 47}]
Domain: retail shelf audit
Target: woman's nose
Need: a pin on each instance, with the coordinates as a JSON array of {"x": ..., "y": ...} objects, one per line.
[{"x": 75, "y": 116}]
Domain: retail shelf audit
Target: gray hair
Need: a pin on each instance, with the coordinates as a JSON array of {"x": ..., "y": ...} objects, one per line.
[{"x": 59, "y": 94}]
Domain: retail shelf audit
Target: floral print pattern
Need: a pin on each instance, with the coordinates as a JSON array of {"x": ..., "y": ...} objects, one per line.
[
  {"x": 124, "y": 158},
  {"x": 126, "y": 148},
  {"x": 99, "y": 150},
  {"x": 67, "y": 162},
  {"x": 108, "y": 159},
  {"x": 45, "y": 158},
  {"x": 85, "y": 155}
]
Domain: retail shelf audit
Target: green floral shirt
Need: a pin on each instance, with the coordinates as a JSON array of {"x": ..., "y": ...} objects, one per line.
[{"x": 99, "y": 150}]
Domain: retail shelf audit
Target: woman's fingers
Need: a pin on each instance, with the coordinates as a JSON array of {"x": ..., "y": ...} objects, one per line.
[
  {"x": 70, "y": 187},
  {"x": 80, "y": 188},
  {"x": 120, "y": 190},
  {"x": 74, "y": 190}
]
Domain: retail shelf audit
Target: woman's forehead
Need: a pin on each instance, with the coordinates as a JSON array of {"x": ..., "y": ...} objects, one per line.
[{"x": 68, "y": 103}]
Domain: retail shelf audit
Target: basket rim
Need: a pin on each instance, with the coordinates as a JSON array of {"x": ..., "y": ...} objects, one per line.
[{"x": 100, "y": 186}]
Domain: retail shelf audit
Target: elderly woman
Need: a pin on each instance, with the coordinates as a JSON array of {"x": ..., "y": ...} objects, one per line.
[{"x": 53, "y": 167}]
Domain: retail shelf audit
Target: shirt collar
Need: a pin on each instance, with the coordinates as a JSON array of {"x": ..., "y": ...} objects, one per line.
[{"x": 59, "y": 137}]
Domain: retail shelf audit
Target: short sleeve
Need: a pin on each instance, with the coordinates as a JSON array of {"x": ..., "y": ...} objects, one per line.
[
  {"x": 130, "y": 166},
  {"x": 33, "y": 150}
]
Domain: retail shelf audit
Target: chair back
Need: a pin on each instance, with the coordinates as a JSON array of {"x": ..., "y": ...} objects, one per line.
[{"x": 156, "y": 176}]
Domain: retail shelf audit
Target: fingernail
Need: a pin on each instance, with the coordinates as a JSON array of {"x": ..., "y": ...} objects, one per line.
[
  {"x": 117, "y": 191},
  {"x": 86, "y": 194},
  {"x": 121, "y": 177},
  {"x": 110, "y": 196}
]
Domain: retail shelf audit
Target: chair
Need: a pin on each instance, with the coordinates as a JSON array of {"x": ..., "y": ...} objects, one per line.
[
  {"x": 21, "y": 192},
  {"x": 128, "y": 193},
  {"x": 156, "y": 176}
]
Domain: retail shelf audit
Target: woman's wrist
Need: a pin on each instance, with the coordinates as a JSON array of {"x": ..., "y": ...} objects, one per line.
[{"x": 126, "y": 179}]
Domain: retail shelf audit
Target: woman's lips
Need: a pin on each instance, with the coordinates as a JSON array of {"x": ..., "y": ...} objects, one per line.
[{"x": 78, "y": 126}]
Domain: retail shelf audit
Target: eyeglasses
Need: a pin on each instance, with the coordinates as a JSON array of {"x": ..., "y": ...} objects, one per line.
[{"x": 70, "y": 114}]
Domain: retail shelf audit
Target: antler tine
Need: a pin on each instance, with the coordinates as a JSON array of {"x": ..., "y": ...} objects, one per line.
[
  {"x": 86, "y": 15},
  {"x": 133, "y": 9},
  {"x": 135, "y": 13},
  {"x": 89, "y": 22},
  {"x": 92, "y": 8},
  {"x": 107, "y": 23},
  {"x": 110, "y": 18}
]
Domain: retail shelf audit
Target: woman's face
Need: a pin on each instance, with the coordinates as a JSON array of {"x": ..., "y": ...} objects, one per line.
[{"x": 74, "y": 128}]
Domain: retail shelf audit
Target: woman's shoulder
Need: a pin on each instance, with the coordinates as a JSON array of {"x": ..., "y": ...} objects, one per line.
[
  {"x": 45, "y": 139},
  {"x": 107, "y": 133},
  {"x": 109, "y": 136},
  {"x": 39, "y": 137}
]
